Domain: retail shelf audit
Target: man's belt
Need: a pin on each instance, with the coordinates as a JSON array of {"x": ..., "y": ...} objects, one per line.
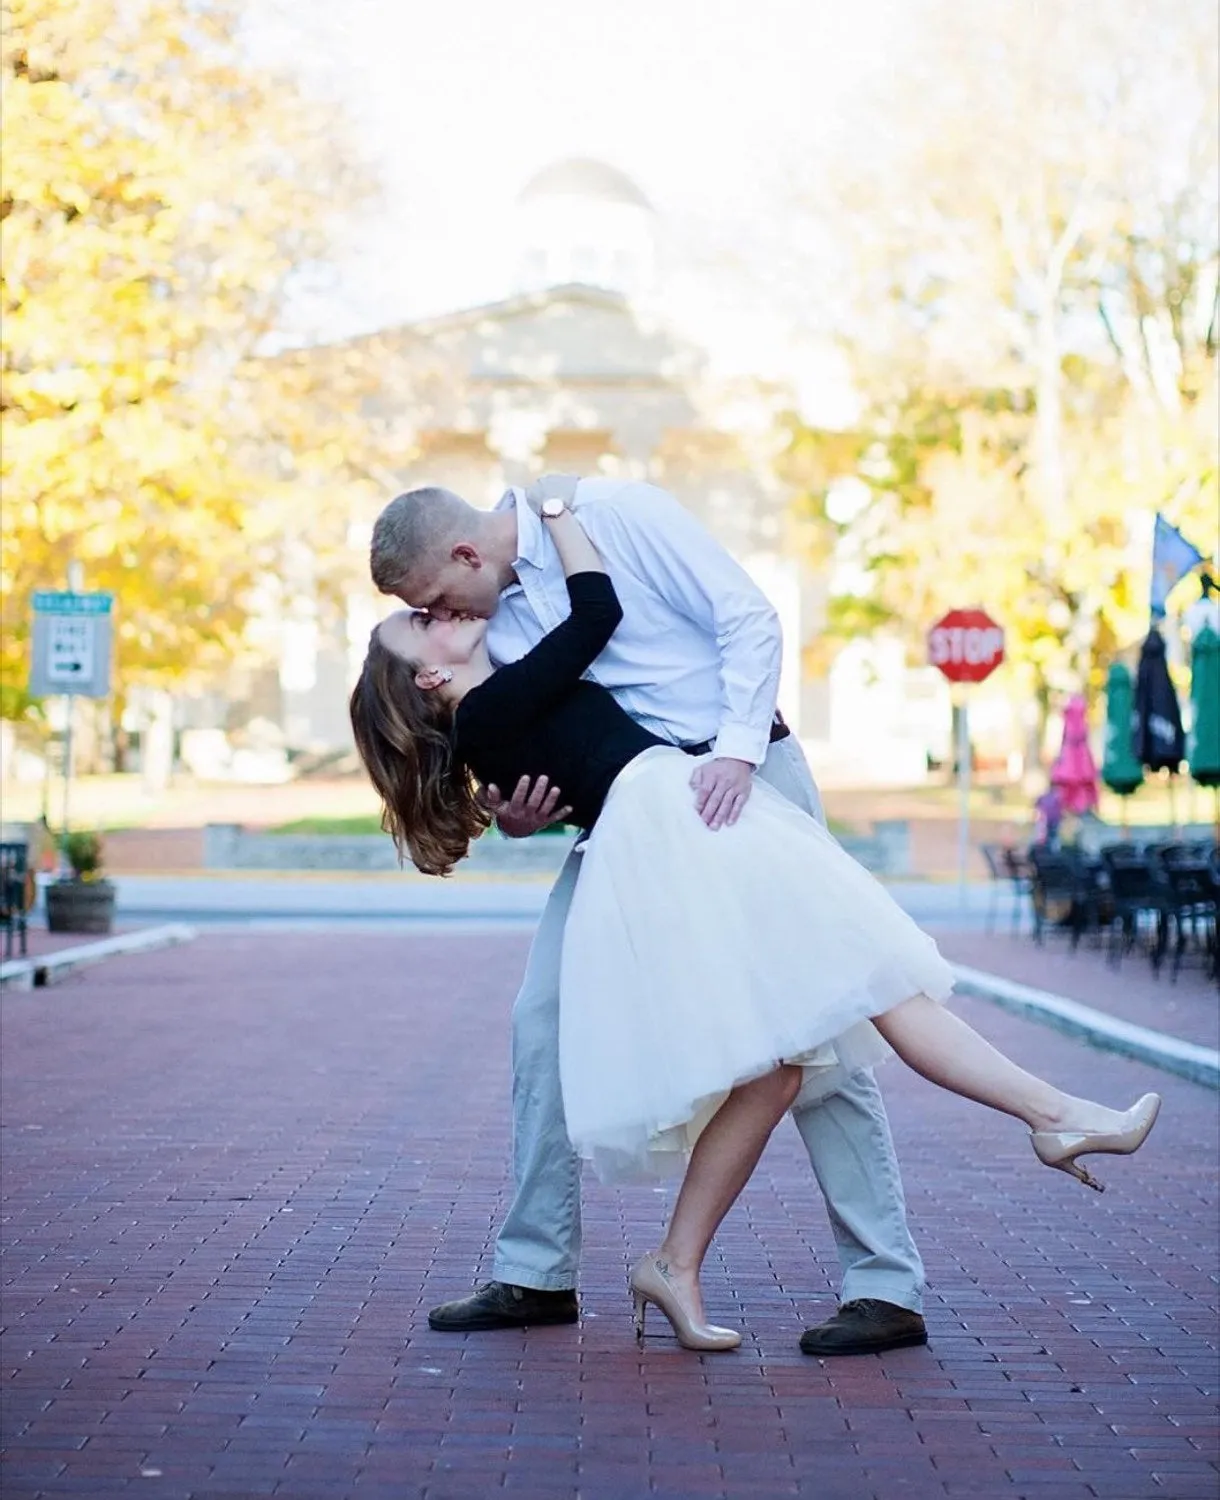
[{"x": 779, "y": 731}]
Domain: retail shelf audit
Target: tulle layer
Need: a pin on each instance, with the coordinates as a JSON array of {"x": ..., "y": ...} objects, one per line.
[{"x": 694, "y": 961}]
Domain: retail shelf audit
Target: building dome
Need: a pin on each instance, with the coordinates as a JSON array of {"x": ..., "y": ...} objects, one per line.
[
  {"x": 582, "y": 177},
  {"x": 584, "y": 221}
]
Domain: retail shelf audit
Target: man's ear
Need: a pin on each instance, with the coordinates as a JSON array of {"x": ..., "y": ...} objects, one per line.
[{"x": 467, "y": 553}]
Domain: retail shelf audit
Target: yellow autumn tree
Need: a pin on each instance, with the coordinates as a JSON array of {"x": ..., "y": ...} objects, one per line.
[{"x": 160, "y": 191}]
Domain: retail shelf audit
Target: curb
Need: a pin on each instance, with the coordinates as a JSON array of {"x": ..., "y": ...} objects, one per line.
[
  {"x": 1157, "y": 1048},
  {"x": 49, "y": 968}
]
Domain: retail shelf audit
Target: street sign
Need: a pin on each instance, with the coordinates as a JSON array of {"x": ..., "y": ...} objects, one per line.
[
  {"x": 65, "y": 602},
  {"x": 966, "y": 644},
  {"x": 70, "y": 650},
  {"x": 71, "y": 644}
]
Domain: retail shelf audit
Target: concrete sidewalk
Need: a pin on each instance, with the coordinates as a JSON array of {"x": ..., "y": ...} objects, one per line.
[
  {"x": 263, "y": 899},
  {"x": 237, "y": 1174},
  {"x": 52, "y": 962}
]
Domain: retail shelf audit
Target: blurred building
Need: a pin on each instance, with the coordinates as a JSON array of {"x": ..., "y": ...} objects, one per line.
[{"x": 576, "y": 369}]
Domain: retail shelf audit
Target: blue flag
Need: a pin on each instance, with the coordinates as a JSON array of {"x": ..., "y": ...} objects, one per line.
[{"x": 1172, "y": 558}]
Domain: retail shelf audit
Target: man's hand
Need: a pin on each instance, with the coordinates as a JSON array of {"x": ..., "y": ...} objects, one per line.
[
  {"x": 531, "y": 808},
  {"x": 721, "y": 789}
]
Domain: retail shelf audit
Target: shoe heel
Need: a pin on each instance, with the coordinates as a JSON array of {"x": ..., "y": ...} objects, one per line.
[
  {"x": 1082, "y": 1174},
  {"x": 640, "y": 1306}
]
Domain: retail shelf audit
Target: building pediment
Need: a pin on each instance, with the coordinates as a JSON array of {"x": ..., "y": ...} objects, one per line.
[{"x": 570, "y": 335}]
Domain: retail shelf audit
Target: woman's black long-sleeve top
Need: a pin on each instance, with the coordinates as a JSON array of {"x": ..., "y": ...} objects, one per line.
[{"x": 540, "y": 717}]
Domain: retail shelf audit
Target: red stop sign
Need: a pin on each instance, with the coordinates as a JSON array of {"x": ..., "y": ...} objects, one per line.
[{"x": 966, "y": 644}]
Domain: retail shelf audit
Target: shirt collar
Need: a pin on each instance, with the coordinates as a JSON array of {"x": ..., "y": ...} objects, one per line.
[{"x": 531, "y": 541}]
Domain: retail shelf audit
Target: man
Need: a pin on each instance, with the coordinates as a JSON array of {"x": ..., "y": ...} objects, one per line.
[{"x": 696, "y": 660}]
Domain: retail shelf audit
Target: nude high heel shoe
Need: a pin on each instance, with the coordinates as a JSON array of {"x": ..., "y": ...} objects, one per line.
[
  {"x": 650, "y": 1283},
  {"x": 1060, "y": 1148}
]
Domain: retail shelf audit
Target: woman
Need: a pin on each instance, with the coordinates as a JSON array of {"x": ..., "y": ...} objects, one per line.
[{"x": 701, "y": 970}]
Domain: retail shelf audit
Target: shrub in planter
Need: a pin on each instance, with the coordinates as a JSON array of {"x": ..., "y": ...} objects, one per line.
[{"x": 84, "y": 900}]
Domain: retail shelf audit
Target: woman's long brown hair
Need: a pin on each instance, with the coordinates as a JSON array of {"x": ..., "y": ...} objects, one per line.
[{"x": 429, "y": 803}]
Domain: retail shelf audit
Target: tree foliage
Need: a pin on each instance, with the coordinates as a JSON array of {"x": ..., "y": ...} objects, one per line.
[
  {"x": 1026, "y": 293},
  {"x": 160, "y": 192}
]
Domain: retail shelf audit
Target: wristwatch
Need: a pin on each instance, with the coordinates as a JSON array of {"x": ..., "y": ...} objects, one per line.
[{"x": 551, "y": 508}]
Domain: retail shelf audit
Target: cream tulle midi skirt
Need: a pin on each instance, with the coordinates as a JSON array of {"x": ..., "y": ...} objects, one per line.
[{"x": 694, "y": 961}]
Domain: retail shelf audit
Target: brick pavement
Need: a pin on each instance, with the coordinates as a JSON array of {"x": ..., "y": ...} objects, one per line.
[
  {"x": 238, "y": 1173},
  {"x": 1188, "y": 1008}
]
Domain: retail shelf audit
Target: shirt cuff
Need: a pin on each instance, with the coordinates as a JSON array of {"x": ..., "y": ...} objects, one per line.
[{"x": 743, "y": 742}]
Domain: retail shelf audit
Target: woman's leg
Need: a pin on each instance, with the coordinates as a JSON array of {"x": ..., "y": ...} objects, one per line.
[
  {"x": 941, "y": 1047},
  {"x": 720, "y": 1166}
]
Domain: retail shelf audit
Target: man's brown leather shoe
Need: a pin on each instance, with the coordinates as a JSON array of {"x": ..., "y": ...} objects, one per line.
[
  {"x": 497, "y": 1304},
  {"x": 866, "y": 1326}
]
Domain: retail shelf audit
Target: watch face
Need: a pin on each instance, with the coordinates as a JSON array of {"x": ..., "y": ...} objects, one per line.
[{"x": 552, "y": 507}]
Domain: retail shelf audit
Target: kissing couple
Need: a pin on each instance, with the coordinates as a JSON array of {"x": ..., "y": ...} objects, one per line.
[{"x": 709, "y": 958}]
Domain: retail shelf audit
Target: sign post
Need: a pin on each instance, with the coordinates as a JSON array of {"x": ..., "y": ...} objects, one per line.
[
  {"x": 967, "y": 646},
  {"x": 71, "y": 656}
]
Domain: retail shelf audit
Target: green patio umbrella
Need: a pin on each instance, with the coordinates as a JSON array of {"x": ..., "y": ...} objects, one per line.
[
  {"x": 1120, "y": 768},
  {"x": 1203, "y": 742}
]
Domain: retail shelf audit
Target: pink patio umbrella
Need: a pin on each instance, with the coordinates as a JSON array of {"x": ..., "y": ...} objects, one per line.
[{"x": 1074, "y": 774}]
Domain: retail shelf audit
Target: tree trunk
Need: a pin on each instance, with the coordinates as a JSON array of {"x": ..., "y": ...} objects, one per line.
[
  {"x": 1048, "y": 420},
  {"x": 1036, "y": 742},
  {"x": 120, "y": 739}
]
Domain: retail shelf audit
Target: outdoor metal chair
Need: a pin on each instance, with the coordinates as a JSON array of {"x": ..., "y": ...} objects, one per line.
[
  {"x": 1123, "y": 851},
  {"x": 1188, "y": 911},
  {"x": 1132, "y": 895},
  {"x": 13, "y": 874},
  {"x": 1184, "y": 853},
  {"x": 1020, "y": 874},
  {"x": 1158, "y": 855},
  {"x": 993, "y": 857},
  {"x": 1064, "y": 892}
]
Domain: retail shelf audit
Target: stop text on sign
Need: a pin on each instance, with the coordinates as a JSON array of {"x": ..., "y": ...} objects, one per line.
[
  {"x": 966, "y": 645},
  {"x": 971, "y": 645}
]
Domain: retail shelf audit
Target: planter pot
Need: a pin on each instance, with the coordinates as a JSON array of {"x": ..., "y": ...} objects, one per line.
[{"x": 80, "y": 906}]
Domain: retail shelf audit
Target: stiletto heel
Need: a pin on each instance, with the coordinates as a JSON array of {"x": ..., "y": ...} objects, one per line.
[
  {"x": 1061, "y": 1148},
  {"x": 640, "y": 1306},
  {"x": 1081, "y": 1174},
  {"x": 649, "y": 1282}
]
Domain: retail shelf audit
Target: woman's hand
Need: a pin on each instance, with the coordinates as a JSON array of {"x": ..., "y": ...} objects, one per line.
[
  {"x": 532, "y": 807},
  {"x": 576, "y": 552},
  {"x": 722, "y": 787}
]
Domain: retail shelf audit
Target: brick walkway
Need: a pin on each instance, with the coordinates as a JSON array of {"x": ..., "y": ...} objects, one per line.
[
  {"x": 238, "y": 1173},
  {"x": 1188, "y": 1007}
]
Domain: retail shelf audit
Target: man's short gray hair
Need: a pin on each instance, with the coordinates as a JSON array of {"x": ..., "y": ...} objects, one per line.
[{"x": 411, "y": 531}]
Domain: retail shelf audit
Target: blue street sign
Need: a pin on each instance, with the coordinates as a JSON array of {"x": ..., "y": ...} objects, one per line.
[
  {"x": 53, "y": 602},
  {"x": 71, "y": 644}
]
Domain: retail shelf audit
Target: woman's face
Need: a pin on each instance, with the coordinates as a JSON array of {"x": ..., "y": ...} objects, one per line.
[{"x": 422, "y": 639}]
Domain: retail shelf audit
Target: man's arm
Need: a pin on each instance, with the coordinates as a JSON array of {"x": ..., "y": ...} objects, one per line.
[{"x": 664, "y": 543}]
